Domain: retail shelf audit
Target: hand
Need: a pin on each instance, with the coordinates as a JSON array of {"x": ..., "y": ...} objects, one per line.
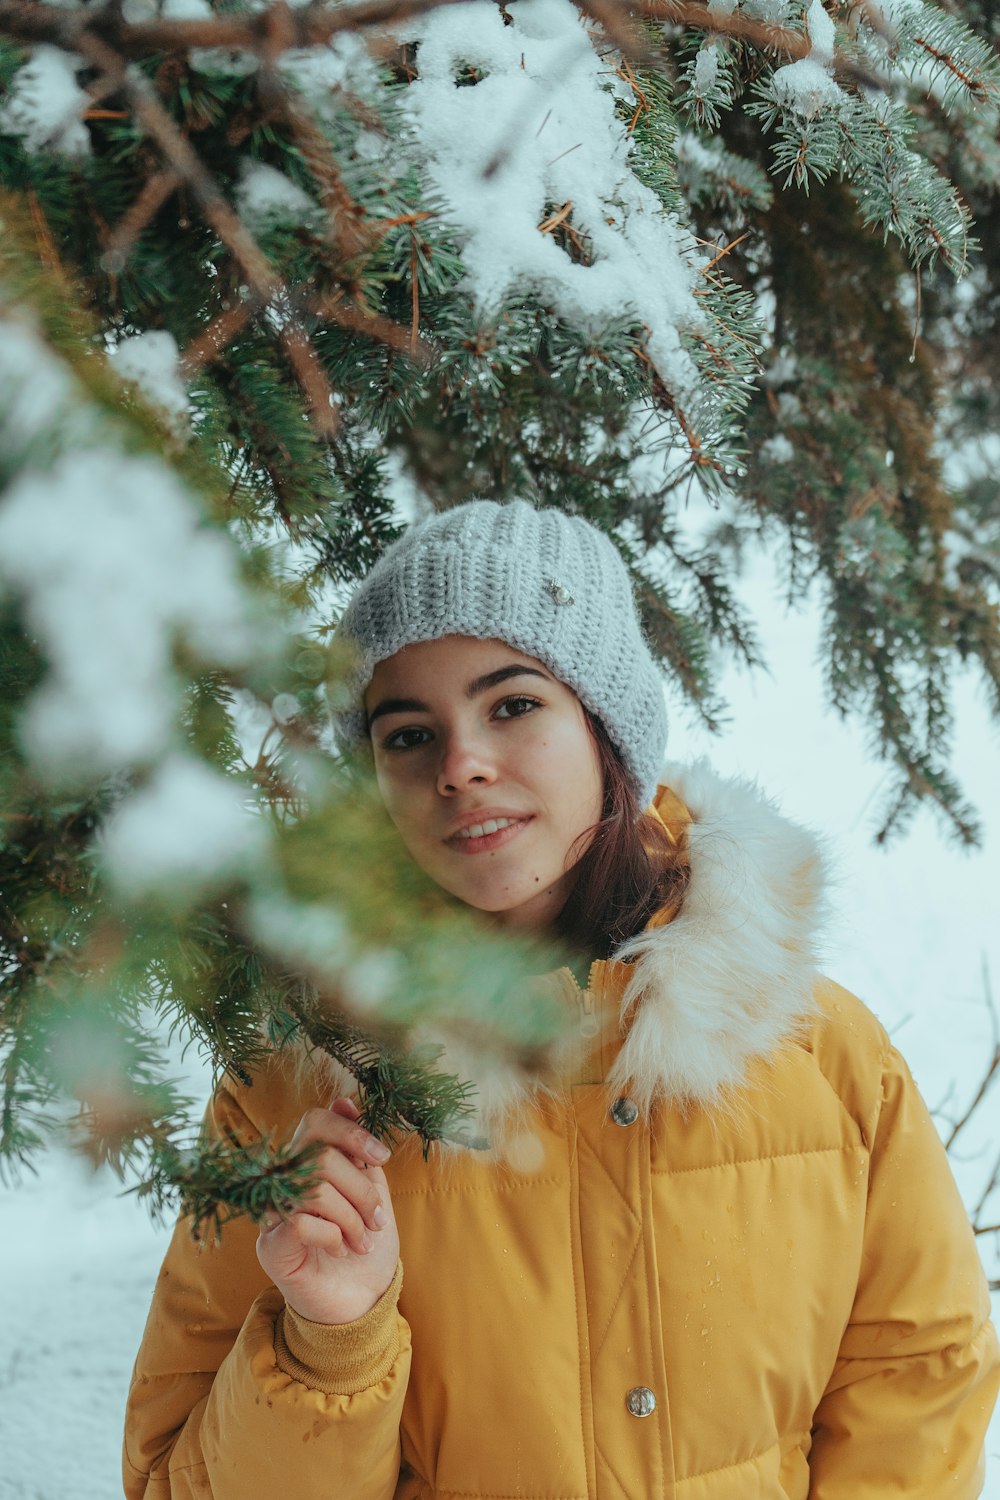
[{"x": 335, "y": 1255}]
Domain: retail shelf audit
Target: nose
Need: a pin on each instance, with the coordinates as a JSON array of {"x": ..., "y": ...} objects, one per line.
[{"x": 464, "y": 763}]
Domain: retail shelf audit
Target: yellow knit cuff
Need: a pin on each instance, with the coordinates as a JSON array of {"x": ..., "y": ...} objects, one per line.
[{"x": 341, "y": 1359}]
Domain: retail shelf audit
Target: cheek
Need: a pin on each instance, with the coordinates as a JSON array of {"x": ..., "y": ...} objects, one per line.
[
  {"x": 398, "y": 800},
  {"x": 588, "y": 776},
  {"x": 577, "y": 778},
  {"x": 386, "y": 789}
]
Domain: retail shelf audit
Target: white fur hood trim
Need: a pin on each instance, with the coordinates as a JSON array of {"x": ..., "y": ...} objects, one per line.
[{"x": 731, "y": 978}]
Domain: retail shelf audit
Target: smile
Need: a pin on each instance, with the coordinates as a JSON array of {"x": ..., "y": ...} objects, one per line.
[
  {"x": 492, "y": 833},
  {"x": 476, "y": 830}
]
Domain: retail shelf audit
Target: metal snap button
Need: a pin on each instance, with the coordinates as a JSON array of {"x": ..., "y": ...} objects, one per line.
[
  {"x": 640, "y": 1401},
  {"x": 624, "y": 1112}
]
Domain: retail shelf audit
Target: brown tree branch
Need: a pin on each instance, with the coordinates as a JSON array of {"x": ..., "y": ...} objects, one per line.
[
  {"x": 373, "y": 325},
  {"x": 696, "y": 17},
  {"x": 27, "y": 21},
  {"x": 136, "y": 218},
  {"x": 219, "y": 334},
  {"x": 279, "y": 28}
]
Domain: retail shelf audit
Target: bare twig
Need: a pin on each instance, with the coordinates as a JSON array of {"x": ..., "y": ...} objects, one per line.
[
  {"x": 135, "y": 219},
  {"x": 334, "y": 308},
  {"x": 991, "y": 1184},
  {"x": 350, "y": 231},
  {"x": 979, "y": 1207},
  {"x": 547, "y": 226},
  {"x": 219, "y": 334},
  {"x": 372, "y": 325},
  {"x": 348, "y": 227},
  {"x": 990, "y": 1073},
  {"x": 723, "y": 251}
]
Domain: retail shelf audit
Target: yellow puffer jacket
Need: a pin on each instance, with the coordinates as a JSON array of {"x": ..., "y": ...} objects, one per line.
[{"x": 742, "y": 1269}]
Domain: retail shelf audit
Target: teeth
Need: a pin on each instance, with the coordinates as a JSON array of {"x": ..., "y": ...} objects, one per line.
[{"x": 480, "y": 830}]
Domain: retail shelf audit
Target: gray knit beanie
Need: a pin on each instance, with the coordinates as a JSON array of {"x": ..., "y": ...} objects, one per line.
[{"x": 546, "y": 583}]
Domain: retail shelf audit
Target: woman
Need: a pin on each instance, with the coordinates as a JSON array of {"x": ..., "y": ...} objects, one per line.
[{"x": 721, "y": 1257}]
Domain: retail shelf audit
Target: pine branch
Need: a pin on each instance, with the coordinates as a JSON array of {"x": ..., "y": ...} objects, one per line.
[
  {"x": 400, "y": 1092},
  {"x": 231, "y": 230},
  {"x": 214, "y": 1183}
]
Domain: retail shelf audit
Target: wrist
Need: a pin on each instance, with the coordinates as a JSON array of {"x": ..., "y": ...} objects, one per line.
[{"x": 341, "y": 1358}]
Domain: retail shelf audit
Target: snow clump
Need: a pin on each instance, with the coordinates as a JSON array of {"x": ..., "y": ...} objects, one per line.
[
  {"x": 304, "y": 932},
  {"x": 822, "y": 32},
  {"x": 776, "y": 450},
  {"x": 771, "y": 12},
  {"x": 321, "y": 73},
  {"x": 116, "y": 565},
  {"x": 36, "y": 391},
  {"x": 46, "y": 102},
  {"x": 805, "y": 86},
  {"x": 151, "y": 361},
  {"x": 187, "y": 827},
  {"x": 537, "y": 135},
  {"x": 265, "y": 196},
  {"x": 706, "y": 69},
  {"x": 186, "y": 10}
]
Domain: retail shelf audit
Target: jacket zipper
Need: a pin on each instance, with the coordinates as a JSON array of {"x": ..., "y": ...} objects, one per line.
[{"x": 589, "y": 1024}]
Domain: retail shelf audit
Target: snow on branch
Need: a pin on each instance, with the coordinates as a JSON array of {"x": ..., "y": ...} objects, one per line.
[
  {"x": 120, "y": 576},
  {"x": 532, "y": 142}
]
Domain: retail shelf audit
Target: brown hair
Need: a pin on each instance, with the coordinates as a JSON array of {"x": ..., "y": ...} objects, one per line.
[{"x": 630, "y": 869}]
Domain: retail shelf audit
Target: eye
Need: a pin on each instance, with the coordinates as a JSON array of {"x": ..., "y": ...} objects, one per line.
[
  {"x": 406, "y": 739},
  {"x": 516, "y": 708}
]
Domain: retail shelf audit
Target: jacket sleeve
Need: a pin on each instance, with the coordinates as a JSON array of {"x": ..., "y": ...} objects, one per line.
[
  {"x": 910, "y": 1397},
  {"x": 235, "y": 1398}
]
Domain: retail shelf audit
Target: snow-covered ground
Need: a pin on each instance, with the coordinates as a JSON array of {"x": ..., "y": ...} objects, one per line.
[{"x": 917, "y": 926}]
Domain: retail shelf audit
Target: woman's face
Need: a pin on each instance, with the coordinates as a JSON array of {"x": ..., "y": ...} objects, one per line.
[{"x": 488, "y": 768}]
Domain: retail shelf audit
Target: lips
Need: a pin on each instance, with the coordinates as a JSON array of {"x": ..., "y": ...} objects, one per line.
[
  {"x": 480, "y": 820},
  {"x": 486, "y": 829},
  {"x": 491, "y": 825}
]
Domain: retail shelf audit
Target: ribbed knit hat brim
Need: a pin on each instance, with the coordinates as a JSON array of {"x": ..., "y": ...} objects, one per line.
[{"x": 548, "y": 584}]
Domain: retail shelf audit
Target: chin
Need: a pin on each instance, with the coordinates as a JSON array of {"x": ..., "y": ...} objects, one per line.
[{"x": 495, "y": 906}]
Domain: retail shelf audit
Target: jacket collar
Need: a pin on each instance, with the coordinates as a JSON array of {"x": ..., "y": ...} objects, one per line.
[
  {"x": 725, "y": 980},
  {"x": 730, "y": 978}
]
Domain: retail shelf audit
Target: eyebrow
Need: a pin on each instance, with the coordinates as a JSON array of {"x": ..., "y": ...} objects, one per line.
[{"x": 476, "y": 686}]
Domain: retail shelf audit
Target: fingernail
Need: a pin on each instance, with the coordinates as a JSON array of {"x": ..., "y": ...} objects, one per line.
[
  {"x": 379, "y": 1216},
  {"x": 367, "y": 1240},
  {"x": 375, "y": 1151}
]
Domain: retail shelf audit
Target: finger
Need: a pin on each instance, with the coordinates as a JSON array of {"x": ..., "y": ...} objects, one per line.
[
  {"x": 346, "y": 1107},
  {"x": 350, "y": 1111},
  {"x": 332, "y": 1128},
  {"x": 358, "y": 1188},
  {"x": 326, "y": 1203},
  {"x": 320, "y": 1234},
  {"x": 285, "y": 1250}
]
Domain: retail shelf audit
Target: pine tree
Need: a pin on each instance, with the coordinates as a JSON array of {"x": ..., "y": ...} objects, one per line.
[{"x": 266, "y": 270}]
